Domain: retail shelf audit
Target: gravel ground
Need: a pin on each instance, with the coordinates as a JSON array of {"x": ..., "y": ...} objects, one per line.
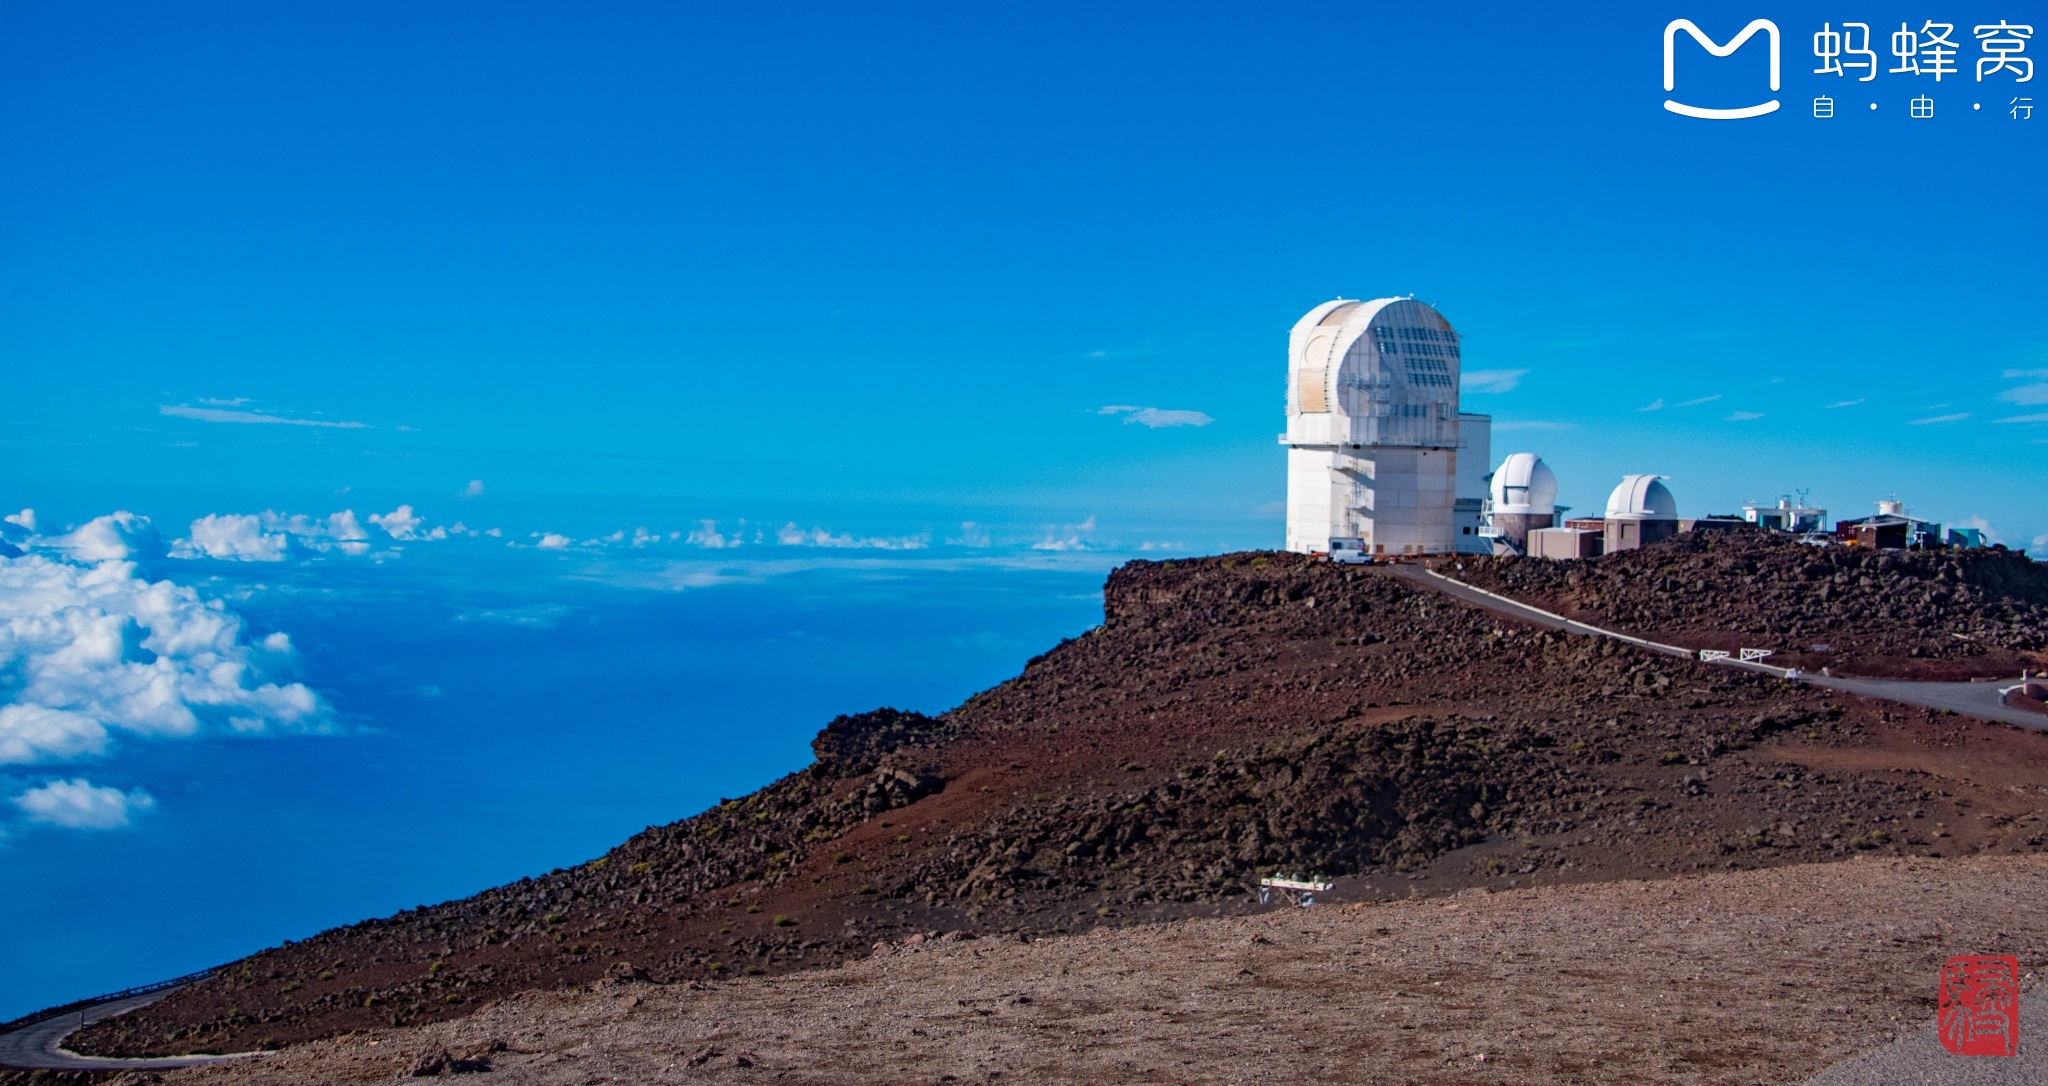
[{"x": 1763, "y": 976}]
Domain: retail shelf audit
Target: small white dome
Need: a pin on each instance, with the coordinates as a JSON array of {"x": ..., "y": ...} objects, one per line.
[
  {"x": 1524, "y": 485},
  {"x": 1642, "y": 497}
]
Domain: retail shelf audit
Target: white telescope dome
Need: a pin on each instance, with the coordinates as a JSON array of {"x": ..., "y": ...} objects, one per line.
[
  {"x": 1524, "y": 485},
  {"x": 1383, "y": 373},
  {"x": 1642, "y": 497}
]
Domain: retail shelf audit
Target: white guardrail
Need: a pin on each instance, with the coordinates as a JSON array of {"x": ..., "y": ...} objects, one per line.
[{"x": 1751, "y": 658}]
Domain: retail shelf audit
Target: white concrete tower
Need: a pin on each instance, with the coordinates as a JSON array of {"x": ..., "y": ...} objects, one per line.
[{"x": 1372, "y": 428}]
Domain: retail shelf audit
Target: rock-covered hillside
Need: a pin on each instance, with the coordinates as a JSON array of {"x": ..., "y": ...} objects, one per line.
[
  {"x": 1951, "y": 614},
  {"x": 1232, "y": 716}
]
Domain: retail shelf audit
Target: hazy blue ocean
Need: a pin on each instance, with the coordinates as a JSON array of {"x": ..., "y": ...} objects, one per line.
[{"x": 497, "y": 713}]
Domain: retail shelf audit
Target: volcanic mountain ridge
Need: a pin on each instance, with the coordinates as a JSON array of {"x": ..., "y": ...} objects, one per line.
[
  {"x": 1947, "y": 614},
  {"x": 1231, "y": 717}
]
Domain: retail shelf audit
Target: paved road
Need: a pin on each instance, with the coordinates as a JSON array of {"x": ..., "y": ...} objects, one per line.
[
  {"x": 40, "y": 1044},
  {"x": 1976, "y": 699},
  {"x": 1918, "y": 1058}
]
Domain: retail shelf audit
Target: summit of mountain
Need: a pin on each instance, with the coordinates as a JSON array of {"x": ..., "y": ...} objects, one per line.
[{"x": 1231, "y": 717}]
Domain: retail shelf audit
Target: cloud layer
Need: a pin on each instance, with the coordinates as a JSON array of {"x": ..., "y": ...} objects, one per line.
[
  {"x": 1156, "y": 417},
  {"x": 91, "y": 649},
  {"x": 1490, "y": 380},
  {"x": 81, "y": 805},
  {"x": 215, "y": 414}
]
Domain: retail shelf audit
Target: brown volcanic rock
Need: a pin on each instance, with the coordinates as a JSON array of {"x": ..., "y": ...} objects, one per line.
[
  {"x": 1231, "y": 717},
  {"x": 1950, "y": 614}
]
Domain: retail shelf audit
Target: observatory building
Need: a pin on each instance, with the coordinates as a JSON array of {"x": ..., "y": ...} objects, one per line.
[
  {"x": 1641, "y": 511},
  {"x": 1524, "y": 501},
  {"x": 1374, "y": 434}
]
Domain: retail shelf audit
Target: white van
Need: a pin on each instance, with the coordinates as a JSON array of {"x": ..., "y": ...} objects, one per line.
[{"x": 1348, "y": 551}]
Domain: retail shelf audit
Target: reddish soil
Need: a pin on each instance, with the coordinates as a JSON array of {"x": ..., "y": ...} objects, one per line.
[
  {"x": 1233, "y": 717},
  {"x": 1728, "y": 978},
  {"x": 1938, "y": 615}
]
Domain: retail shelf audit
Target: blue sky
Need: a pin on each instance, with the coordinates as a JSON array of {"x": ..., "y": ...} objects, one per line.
[
  {"x": 853, "y": 287},
  {"x": 665, "y": 263}
]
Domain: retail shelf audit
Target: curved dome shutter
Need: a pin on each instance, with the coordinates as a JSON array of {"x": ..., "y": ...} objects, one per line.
[{"x": 1312, "y": 388}]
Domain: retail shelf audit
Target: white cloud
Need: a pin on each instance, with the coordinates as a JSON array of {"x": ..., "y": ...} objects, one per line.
[
  {"x": 115, "y": 537},
  {"x": 1532, "y": 424},
  {"x": 214, "y": 414},
  {"x": 1845, "y": 403},
  {"x": 475, "y": 489},
  {"x": 1151, "y": 546},
  {"x": 87, "y": 649},
  {"x": 789, "y": 535},
  {"x": 1490, "y": 380},
  {"x": 2026, "y": 395},
  {"x": 553, "y": 542},
  {"x": 1068, "y": 538},
  {"x": 79, "y": 804},
  {"x": 25, "y": 519},
  {"x": 271, "y": 536},
  {"x": 400, "y": 523},
  {"x": 1654, "y": 405},
  {"x": 236, "y": 402},
  {"x": 1701, "y": 400},
  {"x": 343, "y": 525},
  {"x": 1743, "y": 416},
  {"x": 2040, "y": 546},
  {"x": 1938, "y": 419},
  {"x": 234, "y": 537},
  {"x": 2011, "y": 374},
  {"x": 1156, "y": 417},
  {"x": 33, "y": 733},
  {"x": 706, "y": 534},
  {"x": 2043, "y": 417}
]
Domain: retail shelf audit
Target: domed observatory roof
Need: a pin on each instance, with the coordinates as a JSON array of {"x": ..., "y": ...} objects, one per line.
[
  {"x": 1523, "y": 485},
  {"x": 1383, "y": 372},
  {"x": 1641, "y": 497}
]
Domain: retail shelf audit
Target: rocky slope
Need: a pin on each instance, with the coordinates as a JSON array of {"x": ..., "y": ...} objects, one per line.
[
  {"x": 1729, "y": 979},
  {"x": 1952, "y": 614},
  {"x": 1231, "y": 717}
]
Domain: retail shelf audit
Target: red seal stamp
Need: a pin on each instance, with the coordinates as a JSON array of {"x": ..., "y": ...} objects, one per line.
[{"x": 1980, "y": 1005}]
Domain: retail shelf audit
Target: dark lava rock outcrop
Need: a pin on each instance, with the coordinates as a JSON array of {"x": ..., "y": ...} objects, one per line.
[
  {"x": 1947, "y": 614},
  {"x": 1232, "y": 717}
]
